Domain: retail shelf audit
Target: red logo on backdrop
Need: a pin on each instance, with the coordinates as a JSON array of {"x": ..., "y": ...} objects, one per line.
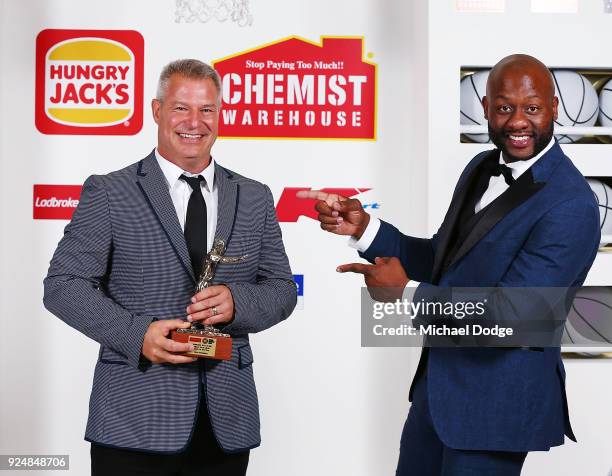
[
  {"x": 55, "y": 202},
  {"x": 89, "y": 82},
  {"x": 290, "y": 208},
  {"x": 295, "y": 88}
]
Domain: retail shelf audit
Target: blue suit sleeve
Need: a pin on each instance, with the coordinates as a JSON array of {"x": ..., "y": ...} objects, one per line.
[
  {"x": 415, "y": 254},
  {"x": 560, "y": 249}
]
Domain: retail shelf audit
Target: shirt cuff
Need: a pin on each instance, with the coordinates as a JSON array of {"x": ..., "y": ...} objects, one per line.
[{"x": 368, "y": 236}]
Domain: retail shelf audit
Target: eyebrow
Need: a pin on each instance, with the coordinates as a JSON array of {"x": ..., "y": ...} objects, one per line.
[
  {"x": 182, "y": 103},
  {"x": 531, "y": 96}
]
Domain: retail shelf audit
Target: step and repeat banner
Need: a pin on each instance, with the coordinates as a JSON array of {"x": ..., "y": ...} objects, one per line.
[{"x": 314, "y": 98}]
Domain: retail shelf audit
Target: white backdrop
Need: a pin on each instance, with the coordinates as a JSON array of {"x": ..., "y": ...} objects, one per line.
[{"x": 333, "y": 409}]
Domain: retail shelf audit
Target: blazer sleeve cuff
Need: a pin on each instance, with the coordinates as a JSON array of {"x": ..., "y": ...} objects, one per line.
[
  {"x": 134, "y": 339},
  {"x": 363, "y": 243}
]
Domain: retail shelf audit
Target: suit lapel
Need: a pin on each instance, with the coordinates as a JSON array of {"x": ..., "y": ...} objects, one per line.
[
  {"x": 526, "y": 186},
  {"x": 153, "y": 184},
  {"x": 450, "y": 220},
  {"x": 228, "y": 201},
  {"x": 522, "y": 190}
]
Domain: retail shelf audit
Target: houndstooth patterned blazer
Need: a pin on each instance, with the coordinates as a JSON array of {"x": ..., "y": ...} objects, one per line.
[{"x": 123, "y": 262}]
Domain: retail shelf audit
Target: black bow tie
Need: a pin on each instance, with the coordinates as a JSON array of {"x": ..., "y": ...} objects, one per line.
[{"x": 496, "y": 169}]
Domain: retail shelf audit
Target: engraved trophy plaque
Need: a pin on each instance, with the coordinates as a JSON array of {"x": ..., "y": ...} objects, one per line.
[{"x": 208, "y": 342}]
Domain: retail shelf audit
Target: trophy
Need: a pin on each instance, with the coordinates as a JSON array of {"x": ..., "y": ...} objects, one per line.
[{"x": 207, "y": 341}]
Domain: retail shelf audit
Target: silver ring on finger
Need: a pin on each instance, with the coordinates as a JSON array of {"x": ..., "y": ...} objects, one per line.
[{"x": 214, "y": 311}]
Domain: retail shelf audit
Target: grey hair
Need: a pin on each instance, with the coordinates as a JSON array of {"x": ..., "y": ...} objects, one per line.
[{"x": 189, "y": 68}]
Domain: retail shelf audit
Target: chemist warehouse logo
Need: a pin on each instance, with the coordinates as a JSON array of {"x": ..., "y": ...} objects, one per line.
[
  {"x": 289, "y": 207},
  {"x": 298, "y": 89},
  {"x": 89, "y": 82}
]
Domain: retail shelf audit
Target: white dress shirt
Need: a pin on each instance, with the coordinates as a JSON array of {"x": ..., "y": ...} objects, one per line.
[
  {"x": 497, "y": 186},
  {"x": 180, "y": 191}
]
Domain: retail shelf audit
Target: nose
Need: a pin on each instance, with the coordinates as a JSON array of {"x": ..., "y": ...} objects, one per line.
[
  {"x": 518, "y": 120},
  {"x": 193, "y": 118}
]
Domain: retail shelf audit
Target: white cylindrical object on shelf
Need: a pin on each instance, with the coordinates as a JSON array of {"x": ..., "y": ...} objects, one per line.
[
  {"x": 578, "y": 102},
  {"x": 472, "y": 89},
  {"x": 605, "y": 239},
  {"x": 603, "y": 195},
  {"x": 589, "y": 322},
  {"x": 605, "y": 105}
]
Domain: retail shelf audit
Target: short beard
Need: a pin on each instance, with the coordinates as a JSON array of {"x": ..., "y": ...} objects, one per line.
[{"x": 541, "y": 141}]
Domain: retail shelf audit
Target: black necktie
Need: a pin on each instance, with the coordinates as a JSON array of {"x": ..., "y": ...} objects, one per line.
[{"x": 195, "y": 224}]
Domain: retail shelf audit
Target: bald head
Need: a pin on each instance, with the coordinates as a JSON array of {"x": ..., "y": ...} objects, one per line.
[
  {"x": 520, "y": 106},
  {"x": 524, "y": 67}
]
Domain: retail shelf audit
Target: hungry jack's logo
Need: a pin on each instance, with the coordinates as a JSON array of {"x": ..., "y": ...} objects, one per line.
[{"x": 89, "y": 82}]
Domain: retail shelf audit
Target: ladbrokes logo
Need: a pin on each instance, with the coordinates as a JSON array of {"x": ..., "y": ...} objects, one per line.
[
  {"x": 55, "y": 202},
  {"x": 89, "y": 82}
]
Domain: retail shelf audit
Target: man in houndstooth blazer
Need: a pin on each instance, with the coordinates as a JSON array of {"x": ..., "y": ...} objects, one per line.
[{"x": 122, "y": 275}]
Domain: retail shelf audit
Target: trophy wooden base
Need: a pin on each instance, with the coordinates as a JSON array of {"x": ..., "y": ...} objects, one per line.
[{"x": 206, "y": 345}]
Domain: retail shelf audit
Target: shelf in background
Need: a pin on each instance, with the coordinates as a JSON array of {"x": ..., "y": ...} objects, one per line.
[{"x": 599, "y": 275}]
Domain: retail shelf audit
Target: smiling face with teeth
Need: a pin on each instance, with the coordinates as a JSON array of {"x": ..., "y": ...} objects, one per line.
[
  {"x": 188, "y": 122},
  {"x": 520, "y": 107}
]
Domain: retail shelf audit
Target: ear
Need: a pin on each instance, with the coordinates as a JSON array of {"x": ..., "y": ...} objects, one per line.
[
  {"x": 555, "y": 107},
  {"x": 485, "y": 107},
  {"x": 155, "y": 107}
]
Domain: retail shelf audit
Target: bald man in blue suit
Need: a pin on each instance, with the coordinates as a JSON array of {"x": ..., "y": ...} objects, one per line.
[{"x": 521, "y": 216}]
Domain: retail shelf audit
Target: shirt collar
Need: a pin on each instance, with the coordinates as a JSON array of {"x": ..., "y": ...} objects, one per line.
[
  {"x": 172, "y": 172},
  {"x": 520, "y": 166}
]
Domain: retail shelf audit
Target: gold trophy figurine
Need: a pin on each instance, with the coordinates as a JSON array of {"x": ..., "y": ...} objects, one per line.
[{"x": 208, "y": 341}]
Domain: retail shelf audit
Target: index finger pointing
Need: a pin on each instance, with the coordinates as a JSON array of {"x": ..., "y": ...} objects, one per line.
[
  {"x": 360, "y": 268},
  {"x": 312, "y": 194},
  {"x": 328, "y": 198}
]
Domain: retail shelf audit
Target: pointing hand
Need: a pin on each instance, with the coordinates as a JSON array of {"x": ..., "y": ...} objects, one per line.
[{"x": 338, "y": 214}]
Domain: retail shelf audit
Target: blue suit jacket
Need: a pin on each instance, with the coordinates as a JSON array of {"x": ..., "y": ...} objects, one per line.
[
  {"x": 123, "y": 262},
  {"x": 544, "y": 233}
]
